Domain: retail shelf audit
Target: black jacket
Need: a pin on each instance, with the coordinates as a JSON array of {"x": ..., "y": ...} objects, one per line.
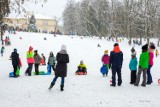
[
  {"x": 61, "y": 67},
  {"x": 116, "y": 59},
  {"x": 15, "y": 58}
]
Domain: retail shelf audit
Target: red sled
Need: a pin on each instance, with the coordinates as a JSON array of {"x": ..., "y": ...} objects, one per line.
[
  {"x": 42, "y": 61},
  {"x": 80, "y": 73},
  {"x": 20, "y": 62}
]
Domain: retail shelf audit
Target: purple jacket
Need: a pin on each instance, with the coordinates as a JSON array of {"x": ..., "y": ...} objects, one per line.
[
  {"x": 151, "y": 56},
  {"x": 105, "y": 59}
]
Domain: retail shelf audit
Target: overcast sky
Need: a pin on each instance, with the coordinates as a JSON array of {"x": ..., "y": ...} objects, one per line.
[{"x": 53, "y": 8}]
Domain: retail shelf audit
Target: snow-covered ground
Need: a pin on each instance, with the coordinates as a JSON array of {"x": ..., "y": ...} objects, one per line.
[{"x": 91, "y": 90}]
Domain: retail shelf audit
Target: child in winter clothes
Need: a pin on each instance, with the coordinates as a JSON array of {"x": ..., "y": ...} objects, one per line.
[
  {"x": 44, "y": 59},
  {"x": 105, "y": 60},
  {"x": 37, "y": 60},
  {"x": 30, "y": 61},
  {"x": 143, "y": 65},
  {"x": 151, "y": 56},
  {"x": 82, "y": 69},
  {"x": 51, "y": 62},
  {"x": 133, "y": 68}
]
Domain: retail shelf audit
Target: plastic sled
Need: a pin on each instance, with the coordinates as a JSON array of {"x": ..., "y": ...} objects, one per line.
[
  {"x": 11, "y": 74},
  {"x": 104, "y": 69},
  {"x": 42, "y": 73},
  {"x": 80, "y": 73},
  {"x": 47, "y": 73}
]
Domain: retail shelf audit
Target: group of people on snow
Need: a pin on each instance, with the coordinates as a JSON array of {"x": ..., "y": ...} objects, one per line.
[
  {"x": 113, "y": 61},
  {"x": 144, "y": 66},
  {"x": 145, "y": 63}
]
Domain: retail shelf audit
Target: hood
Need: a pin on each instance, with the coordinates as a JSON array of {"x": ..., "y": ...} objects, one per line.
[{"x": 116, "y": 49}]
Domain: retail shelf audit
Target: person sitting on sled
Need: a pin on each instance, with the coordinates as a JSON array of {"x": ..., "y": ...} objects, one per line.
[{"x": 82, "y": 69}]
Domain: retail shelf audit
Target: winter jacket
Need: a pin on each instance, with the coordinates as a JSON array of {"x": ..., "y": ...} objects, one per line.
[
  {"x": 116, "y": 58},
  {"x": 51, "y": 60},
  {"x": 151, "y": 56},
  {"x": 144, "y": 59},
  {"x": 37, "y": 59},
  {"x": 29, "y": 56},
  {"x": 105, "y": 59},
  {"x": 61, "y": 66},
  {"x": 82, "y": 66},
  {"x": 133, "y": 64},
  {"x": 15, "y": 58}
]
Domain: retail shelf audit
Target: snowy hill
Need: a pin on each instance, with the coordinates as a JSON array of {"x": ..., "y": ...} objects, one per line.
[{"x": 91, "y": 90}]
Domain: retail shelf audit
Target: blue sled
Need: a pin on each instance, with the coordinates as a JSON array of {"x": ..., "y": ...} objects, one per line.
[
  {"x": 104, "y": 69},
  {"x": 11, "y": 74}
]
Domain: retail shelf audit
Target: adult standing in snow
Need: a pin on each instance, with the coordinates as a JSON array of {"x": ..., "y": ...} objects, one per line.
[
  {"x": 15, "y": 61},
  {"x": 151, "y": 56},
  {"x": 143, "y": 65},
  {"x": 51, "y": 62},
  {"x": 115, "y": 63},
  {"x": 37, "y": 61},
  {"x": 30, "y": 61},
  {"x": 61, "y": 67}
]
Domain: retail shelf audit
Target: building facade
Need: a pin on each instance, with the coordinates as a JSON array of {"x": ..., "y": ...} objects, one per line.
[{"x": 44, "y": 24}]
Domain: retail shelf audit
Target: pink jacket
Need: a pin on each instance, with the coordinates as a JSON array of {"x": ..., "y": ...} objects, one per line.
[
  {"x": 151, "y": 56},
  {"x": 105, "y": 59},
  {"x": 30, "y": 60}
]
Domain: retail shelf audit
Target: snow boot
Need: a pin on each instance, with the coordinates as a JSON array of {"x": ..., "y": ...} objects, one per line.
[
  {"x": 50, "y": 87},
  {"x": 112, "y": 85},
  {"x": 62, "y": 86}
]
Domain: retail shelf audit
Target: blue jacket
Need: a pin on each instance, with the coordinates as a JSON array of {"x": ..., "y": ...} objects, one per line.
[
  {"x": 133, "y": 64},
  {"x": 116, "y": 59}
]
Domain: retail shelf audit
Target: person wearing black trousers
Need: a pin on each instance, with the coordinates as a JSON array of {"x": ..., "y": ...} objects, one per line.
[
  {"x": 15, "y": 61},
  {"x": 133, "y": 67},
  {"x": 37, "y": 60},
  {"x": 115, "y": 63}
]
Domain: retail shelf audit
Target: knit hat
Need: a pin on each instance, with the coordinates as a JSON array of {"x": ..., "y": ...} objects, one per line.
[
  {"x": 81, "y": 62},
  {"x": 116, "y": 44},
  {"x": 30, "y": 48},
  {"x": 15, "y": 50},
  {"x": 63, "y": 47},
  {"x": 145, "y": 47},
  {"x": 106, "y": 52},
  {"x": 36, "y": 51},
  {"x": 152, "y": 46},
  {"x": 133, "y": 55}
]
